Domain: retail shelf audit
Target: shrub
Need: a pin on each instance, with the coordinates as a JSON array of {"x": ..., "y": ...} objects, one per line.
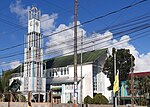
[
  {"x": 69, "y": 102},
  {"x": 88, "y": 100},
  {"x": 100, "y": 99}
]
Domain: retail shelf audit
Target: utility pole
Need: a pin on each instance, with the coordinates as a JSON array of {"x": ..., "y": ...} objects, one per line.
[
  {"x": 75, "y": 53},
  {"x": 132, "y": 83},
  {"x": 115, "y": 98},
  {"x": 81, "y": 69}
]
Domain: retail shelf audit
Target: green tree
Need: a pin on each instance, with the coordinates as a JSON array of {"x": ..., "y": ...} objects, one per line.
[
  {"x": 4, "y": 84},
  {"x": 123, "y": 65},
  {"x": 88, "y": 100},
  {"x": 141, "y": 88},
  {"x": 100, "y": 99}
]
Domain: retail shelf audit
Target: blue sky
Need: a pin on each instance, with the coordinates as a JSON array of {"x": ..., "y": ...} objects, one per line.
[{"x": 13, "y": 19}]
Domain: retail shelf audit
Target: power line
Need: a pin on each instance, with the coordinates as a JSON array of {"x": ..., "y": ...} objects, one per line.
[
  {"x": 21, "y": 27},
  {"x": 111, "y": 45},
  {"x": 114, "y": 28},
  {"x": 99, "y": 31},
  {"x": 131, "y": 30},
  {"x": 121, "y": 14},
  {"x": 127, "y": 32},
  {"x": 55, "y": 5},
  {"x": 108, "y": 46},
  {"x": 116, "y": 11},
  {"x": 86, "y": 22},
  {"x": 126, "y": 23},
  {"x": 102, "y": 42},
  {"x": 70, "y": 40}
]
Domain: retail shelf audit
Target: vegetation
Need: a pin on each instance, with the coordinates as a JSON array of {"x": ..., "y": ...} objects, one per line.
[
  {"x": 4, "y": 83},
  {"x": 5, "y": 88},
  {"x": 98, "y": 99},
  {"x": 88, "y": 100},
  {"x": 141, "y": 87},
  {"x": 123, "y": 65},
  {"x": 70, "y": 102}
]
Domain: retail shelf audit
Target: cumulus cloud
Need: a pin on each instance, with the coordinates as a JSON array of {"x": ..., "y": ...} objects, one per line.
[
  {"x": 142, "y": 61},
  {"x": 62, "y": 43},
  {"x": 20, "y": 11},
  {"x": 12, "y": 65},
  {"x": 58, "y": 45},
  {"x": 47, "y": 21}
]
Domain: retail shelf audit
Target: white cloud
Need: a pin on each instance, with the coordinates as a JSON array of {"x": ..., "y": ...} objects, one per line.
[
  {"x": 63, "y": 41},
  {"x": 20, "y": 11},
  {"x": 142, "y": 61},
  {"x": 99, "y": 41},
  {"x": 47, "y": 23},
  {"x": 12, "y": 65}
]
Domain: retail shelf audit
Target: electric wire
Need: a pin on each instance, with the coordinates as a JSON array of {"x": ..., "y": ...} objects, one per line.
[
  {"x": 112, "y": 45},
  {"x": 70, "y": 39},
  {"x": 131, "y": 30},
  {"x": 106, "y": 41},
  {"x": 86, "y": 22}
]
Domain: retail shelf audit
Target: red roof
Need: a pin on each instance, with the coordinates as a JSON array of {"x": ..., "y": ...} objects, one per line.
[{"x": 141, "y": 74}]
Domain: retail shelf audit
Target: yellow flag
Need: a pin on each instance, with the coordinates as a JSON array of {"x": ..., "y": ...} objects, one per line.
[{"x": 116, "y": 83}]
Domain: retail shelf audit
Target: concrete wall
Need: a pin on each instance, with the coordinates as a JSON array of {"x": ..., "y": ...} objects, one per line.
[{"x": 20, "y": 104}]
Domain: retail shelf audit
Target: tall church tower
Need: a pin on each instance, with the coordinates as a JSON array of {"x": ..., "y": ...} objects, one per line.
[{"x": 34, "y": 80}]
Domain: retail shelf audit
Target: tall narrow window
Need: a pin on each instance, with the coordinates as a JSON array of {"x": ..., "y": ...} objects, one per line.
[
  {"x": 64, "y": 71},
  {"x": 61, "y": 71},
  {"x": 50, "y": 73},
  {"x": 53, "y": 74},
  {"x": 67, "y": 70}
]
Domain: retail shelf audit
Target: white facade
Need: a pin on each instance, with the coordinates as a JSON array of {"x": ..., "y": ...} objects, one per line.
[
  {"x": 33, "y": 79},
  {"x": 87, "y": 75},
  {"x": 63, "y": 78},
  {"x": 33, "y": 57}
]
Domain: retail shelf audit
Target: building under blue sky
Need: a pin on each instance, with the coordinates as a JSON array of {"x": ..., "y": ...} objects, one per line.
[{"x": 13, "y": 22}]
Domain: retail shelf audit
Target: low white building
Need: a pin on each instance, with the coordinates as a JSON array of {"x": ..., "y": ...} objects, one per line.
[
  {"x": 59, "y": 73},
  {"x": 60, "y": 76}
]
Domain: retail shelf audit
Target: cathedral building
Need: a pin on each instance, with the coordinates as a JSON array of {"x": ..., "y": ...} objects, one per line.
[{"x": 57, "y": 74}]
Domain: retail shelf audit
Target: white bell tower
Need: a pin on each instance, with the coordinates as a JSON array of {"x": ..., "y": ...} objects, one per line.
[{"x": 34, "y": 80}]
